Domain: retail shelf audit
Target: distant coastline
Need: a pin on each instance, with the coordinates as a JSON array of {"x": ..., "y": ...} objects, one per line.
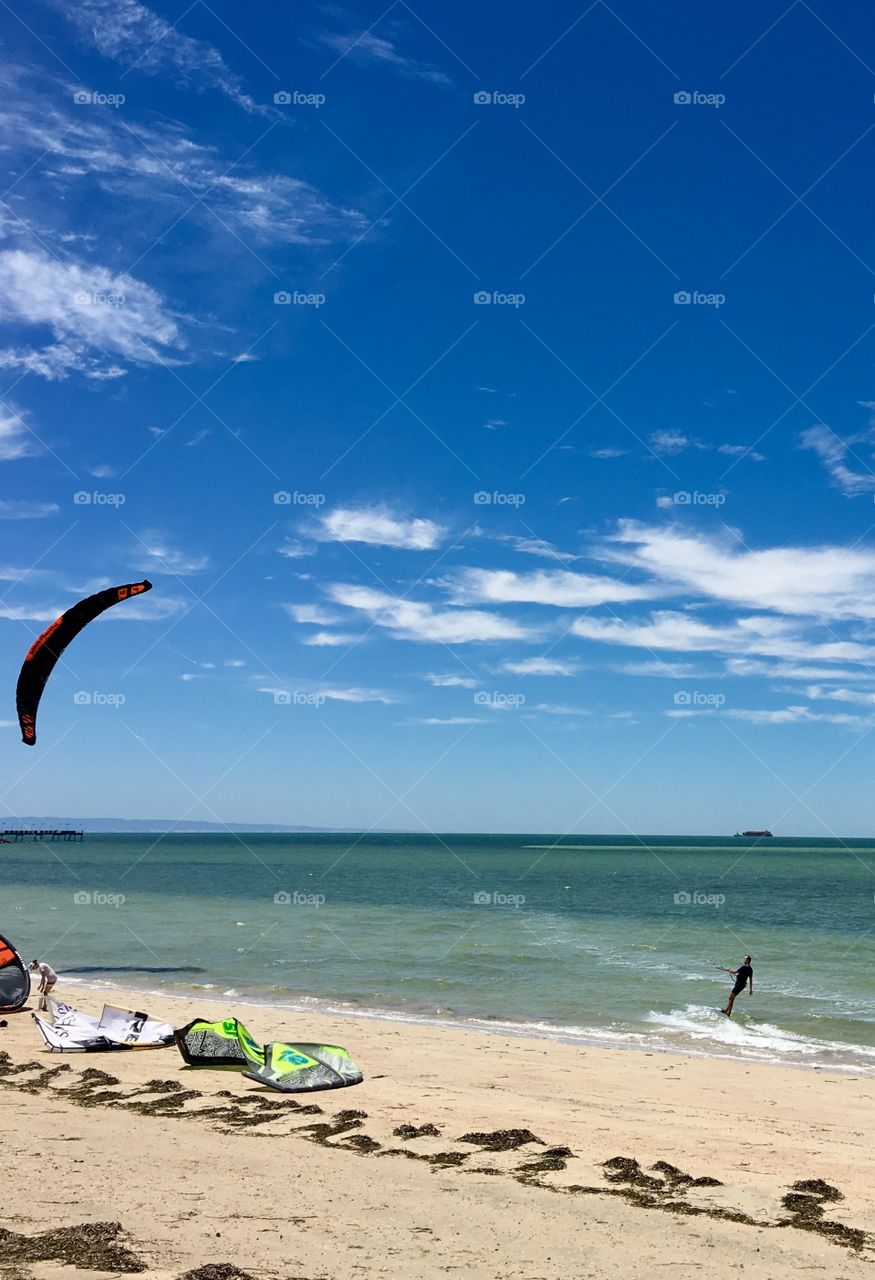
[{"x": 155, "y": 826}]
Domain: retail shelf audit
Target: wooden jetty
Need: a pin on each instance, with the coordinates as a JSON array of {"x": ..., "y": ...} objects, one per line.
[{"x": 12, "y": 835}]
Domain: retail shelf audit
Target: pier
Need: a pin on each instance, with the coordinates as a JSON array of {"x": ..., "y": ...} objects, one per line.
[{"x": 13, "y": 835}]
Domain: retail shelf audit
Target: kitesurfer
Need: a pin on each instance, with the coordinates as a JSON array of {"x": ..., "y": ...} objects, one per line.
[
  {"x": 48, "y": 978},
  {"x": 743, "y": 978}
]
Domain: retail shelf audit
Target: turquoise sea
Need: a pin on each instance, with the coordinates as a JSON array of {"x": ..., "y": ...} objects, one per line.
[{"x": 608, "y": 940}]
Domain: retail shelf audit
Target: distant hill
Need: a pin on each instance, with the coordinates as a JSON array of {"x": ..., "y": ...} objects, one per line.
[{"x": 134, "y": 826}]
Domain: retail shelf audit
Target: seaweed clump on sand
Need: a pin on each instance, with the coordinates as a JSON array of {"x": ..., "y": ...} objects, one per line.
[
  {"x": 625, "y": 1169},
  {"x": 160, "y": 1086},
  {"x": 361, "y": 1142},
  {"x": 549, "y": 1161},
  {"x": 93, "y": 1246},
  {"x": 416, "y": 1131},
  {"x": 805, "y": 1201},
  {"x": 90, "y": 1090},
  {"x": 817, "y": 1187},
  {"x": 217, "y": 1271},
  {"x": 501, "y": 1139},
  {"x": 45, "y": 1078}
]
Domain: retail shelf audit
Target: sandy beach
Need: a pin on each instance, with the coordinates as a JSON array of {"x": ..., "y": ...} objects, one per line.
[{"x": 538, "y": 1160}]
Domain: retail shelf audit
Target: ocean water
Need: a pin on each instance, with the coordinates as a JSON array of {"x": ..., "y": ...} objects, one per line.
[{"x": 586, "y": 939}]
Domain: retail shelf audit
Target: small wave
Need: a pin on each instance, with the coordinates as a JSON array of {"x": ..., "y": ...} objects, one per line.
[{"x": 763, "y": 1040}]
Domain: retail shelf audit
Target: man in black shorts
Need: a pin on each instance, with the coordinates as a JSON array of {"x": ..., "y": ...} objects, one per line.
[{"x": 743, "y": 977}]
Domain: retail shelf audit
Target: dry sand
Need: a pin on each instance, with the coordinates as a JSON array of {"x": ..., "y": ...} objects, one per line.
[{"x": 601, "y": 1178}]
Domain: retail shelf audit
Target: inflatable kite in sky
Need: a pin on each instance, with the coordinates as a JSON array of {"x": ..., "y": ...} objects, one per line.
[
  {"x": 14, "y": 978},
  {"x": 47, "y": 649},
  {"x": 291, "y": 1068}
]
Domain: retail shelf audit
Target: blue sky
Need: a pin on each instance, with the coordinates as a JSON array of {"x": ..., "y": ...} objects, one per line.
[{"x": 490, "y": 403}]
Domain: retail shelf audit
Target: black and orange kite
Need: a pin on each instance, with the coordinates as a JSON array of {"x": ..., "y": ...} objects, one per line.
[{"x": 47, "y": 649}]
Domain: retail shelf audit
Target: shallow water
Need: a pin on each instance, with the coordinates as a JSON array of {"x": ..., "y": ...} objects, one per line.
[{"x": 595, "y": 940}]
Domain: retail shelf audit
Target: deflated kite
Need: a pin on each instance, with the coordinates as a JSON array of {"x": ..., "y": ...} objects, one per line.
[
  {"x": 67, "y": 1030},
  {"x": 295, "y": 1068},
  {"x": 47, "y": 649},
  {"x": 14, "y": 978},
  {"x": 291, "y": 1068},
  {"x": 218, "y": 1044}
]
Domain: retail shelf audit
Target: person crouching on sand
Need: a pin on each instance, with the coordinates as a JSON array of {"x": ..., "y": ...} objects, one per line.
[
  {"x": 743, "y": 977},
  {"x": 48, "y": 978}
]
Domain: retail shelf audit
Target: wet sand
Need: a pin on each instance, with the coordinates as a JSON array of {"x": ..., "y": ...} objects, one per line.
[{"x": 462, "y": 1153}]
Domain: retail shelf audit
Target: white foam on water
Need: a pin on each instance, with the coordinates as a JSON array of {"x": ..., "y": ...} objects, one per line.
[{"x": 743, "y": 1037}]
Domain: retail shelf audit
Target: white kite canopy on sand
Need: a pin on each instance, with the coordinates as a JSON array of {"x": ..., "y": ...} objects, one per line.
[{"x": 67, "y": 1030}]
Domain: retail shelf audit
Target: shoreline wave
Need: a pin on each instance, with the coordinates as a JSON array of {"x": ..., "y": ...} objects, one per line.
[{"x": 694, "y": 1031}]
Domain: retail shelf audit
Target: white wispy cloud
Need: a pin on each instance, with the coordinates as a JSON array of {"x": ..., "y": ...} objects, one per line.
[
  {"x": 759, "y": 635},
  {"x": 670, "y": 441},
  {"x": 16, "y": 441},
  {"x": 412, "y": 620},
  {"x": 557, "y": 587},
  {"x": 26, "y": 509},
  {"x": 136, "y": 37},
  {"x": 793, "y": 670},
  {"x": 331, "y": 693},
  {"x": 674, "y": 442},
  {"x": 98, "y": 317},
  {"x": 779, "y": 716},
  {"x": 373, "y": 50},
  {"x": 450, "y": 720},
  {"x": 837, "y": 455},
  {"x": 560, "y": 709},
  {"x": 527, "y": 545},
  {"x": 450, "y": 681},
  {"x": 824, "y": 693},
  {"x": 329, "y": 639},
  {"x": 656, "y": 667},
  {"x": 155, "y": 553},
  {"x": 293, "y": 549},
  {"x": 832, "y": 582},
  {"x": 541, "y": 667},
  {"x": 159, "y": 168},
  {"x": 312, "y": 613},
  {"x": 378, "y": 526},
  {"x": 741, "y": 451}
]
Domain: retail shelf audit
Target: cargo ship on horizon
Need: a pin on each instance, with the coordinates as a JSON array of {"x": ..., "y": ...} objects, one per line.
[{"x": 753, "y": 833}]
